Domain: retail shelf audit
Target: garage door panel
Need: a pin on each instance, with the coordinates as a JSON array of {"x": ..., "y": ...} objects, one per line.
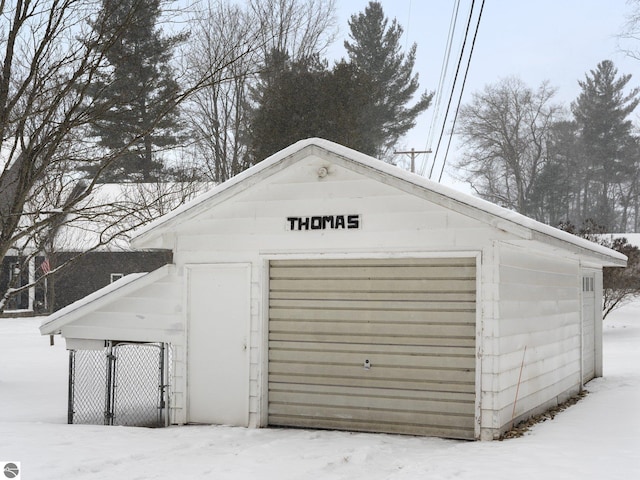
[
  {"x": 376, "y": 359},
  {"x": 356, "y": 329},
  {"x": 350, "y": 311},
  {"x": 375, "y": 415},
  {"x": 389, "y": 308},
  {"x": 394, "y": 272},
  {"x": 374, "y": 339},
  {"x": 413, "y": 350},
  {"x": 377, "y": 262},
  {"x": 390, "y": 393},
  {"x": 354, "y": 372},
  {"x": 412, "y": 319},
  {"x": 350, "y": 400},
  {"x": 374, "y": 285},
  {"x": 451, "y": 297},
  {"x": 421, "y": 384}
]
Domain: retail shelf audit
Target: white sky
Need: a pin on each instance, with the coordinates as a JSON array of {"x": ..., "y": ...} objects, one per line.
[{"x": 555, "y": 40}]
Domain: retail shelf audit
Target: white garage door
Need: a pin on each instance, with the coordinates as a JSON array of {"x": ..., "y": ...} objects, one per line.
[{"x": 373, "y": 345}]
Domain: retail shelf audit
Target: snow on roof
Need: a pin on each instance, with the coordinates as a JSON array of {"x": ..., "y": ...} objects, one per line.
[
  {"x": 95, "y": 300},
  {"x": 149, "y": 231}
]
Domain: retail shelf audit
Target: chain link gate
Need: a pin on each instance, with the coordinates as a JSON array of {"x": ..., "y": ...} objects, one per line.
[{"x": 122, "y": 384}]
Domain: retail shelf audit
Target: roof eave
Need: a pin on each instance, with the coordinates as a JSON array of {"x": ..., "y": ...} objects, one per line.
[
  {"x": 150, "y": 236},
  {"x": 604, "y": 256},
  {"x": 53, "y": 324}
]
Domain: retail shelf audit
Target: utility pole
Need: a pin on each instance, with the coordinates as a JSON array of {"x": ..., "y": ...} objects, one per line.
[{"x": 412, "y": 153}]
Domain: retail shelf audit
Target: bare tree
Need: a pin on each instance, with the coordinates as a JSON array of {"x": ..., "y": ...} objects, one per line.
[
  {"x": 301, "y": 28},
  {"x": 629, "y": 37},
  {"x": 51, "y": 51},
  {"x": 219, "y": 114},
  {"x": 505, "y": 128}
]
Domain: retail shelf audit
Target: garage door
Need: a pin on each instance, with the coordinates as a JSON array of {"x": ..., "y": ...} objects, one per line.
[{"x": 373, "y": 345}]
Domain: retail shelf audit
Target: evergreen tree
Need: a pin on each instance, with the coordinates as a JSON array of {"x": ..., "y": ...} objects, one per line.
[
  {"x": 135, "y": 90},
  {"x": 301, "y": 99},
  {"x": 556, "y": 189},
  {"x": 375, "y": 51},
  {"x": 601, "y": 114}
]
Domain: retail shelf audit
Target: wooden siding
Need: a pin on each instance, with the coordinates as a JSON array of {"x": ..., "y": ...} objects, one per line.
[
  {"x": 539, "y": 332},
  {"x": 412, "y": 320}
]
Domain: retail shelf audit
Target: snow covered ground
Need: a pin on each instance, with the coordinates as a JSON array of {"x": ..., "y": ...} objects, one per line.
[{"x": 599, "y": 438}]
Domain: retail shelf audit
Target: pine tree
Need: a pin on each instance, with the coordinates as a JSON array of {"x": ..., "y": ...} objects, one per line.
[
  {"x": 300, "y": 99},
  {"x": 601, "y": 113},
  {"x": 556, "y": 189},
  {"x": 375, "y": 51},
  {"x": 135, "y": 90}
]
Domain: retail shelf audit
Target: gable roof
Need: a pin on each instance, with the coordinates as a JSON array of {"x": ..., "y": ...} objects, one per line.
[{"x": 500, "y": 217}]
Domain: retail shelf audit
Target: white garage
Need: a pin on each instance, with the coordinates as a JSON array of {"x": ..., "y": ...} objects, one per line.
[{"x": 323, "y": 288}]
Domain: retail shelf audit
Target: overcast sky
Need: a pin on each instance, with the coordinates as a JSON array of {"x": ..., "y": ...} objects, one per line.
[{"x": 555, "y": 40}]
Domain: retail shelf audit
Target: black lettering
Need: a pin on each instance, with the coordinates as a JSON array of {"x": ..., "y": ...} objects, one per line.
[
  {"x": 303, "y": 223},
  {"x": 292, "y": 222},
  {"x": 316, "y": 223},
  {"x": 334, "y": 222}
]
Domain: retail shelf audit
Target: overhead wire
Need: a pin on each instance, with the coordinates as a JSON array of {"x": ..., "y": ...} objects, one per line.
[
  {"x": 453, "y": 87},
  {"x": 464, "y": 81},
  {"x": 406, "y": 41},
  {"x": 443, "y": 74}
]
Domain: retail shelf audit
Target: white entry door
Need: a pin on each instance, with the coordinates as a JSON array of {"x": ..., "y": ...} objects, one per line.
[{"x": 218, "y": 344}]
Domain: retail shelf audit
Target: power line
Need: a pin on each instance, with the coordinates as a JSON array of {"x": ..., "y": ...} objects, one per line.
[
  {"x": 443, "y": 74},
  {"x": 455, "y": 81},
  {"x": 406, "y": 42},
  {"x": 464, "y": 81}
]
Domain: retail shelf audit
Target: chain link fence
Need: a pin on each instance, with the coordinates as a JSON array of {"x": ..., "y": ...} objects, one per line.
[{"x": 122, "y": 384}]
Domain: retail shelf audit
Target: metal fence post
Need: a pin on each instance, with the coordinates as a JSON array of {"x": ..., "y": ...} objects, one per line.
[
  {"x": 162, "y": 403},
  {"x": 109, "y": 387},
  {"x": 72, "y": 375}
]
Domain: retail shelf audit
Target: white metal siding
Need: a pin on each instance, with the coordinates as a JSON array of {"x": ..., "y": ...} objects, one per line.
[
  {"x": 538, "y": 333},
  {"x": 148, "y": 314},
  {"x": 412, "y": 321}
]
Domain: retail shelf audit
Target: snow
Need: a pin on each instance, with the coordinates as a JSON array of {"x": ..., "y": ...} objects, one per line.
[{"x": 598, "y": 438}]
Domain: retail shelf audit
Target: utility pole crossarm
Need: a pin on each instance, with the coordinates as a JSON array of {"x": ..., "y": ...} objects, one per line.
[{"x": 412, "y": 154}]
